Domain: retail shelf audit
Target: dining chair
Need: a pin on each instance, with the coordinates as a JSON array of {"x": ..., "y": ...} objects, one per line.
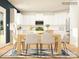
[
  {"x": 31, "y": 39},
  {"x": 19, "y": 43},
  {"x": 65, "y": 41},
  {"x": 57, "y": 48},
  {"x": 46, "y": 39}
]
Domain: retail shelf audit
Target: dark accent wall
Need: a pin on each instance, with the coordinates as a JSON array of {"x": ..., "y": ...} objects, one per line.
[{"x": 7, "y": 5}]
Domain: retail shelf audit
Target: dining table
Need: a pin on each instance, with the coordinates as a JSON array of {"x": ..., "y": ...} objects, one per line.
[{"x": 39, "y": 39}]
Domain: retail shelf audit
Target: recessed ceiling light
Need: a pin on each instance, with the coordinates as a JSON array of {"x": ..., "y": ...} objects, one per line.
[{"x": 70, "y": 3}]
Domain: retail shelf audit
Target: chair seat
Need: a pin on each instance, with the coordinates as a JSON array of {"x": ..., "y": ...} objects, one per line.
[
  {"x": 46, "y": 39},
  {"x": 31, "y": 38}
]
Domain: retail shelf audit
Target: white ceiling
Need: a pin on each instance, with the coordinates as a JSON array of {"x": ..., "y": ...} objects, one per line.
[{"x": 39, "y": 5}]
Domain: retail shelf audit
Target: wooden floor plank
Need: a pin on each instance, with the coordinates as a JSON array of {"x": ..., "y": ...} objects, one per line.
[
  {"x": 5, "y": 49},
  {"x": 73, "y": 49},
  {"x": 36, "y": 58}
]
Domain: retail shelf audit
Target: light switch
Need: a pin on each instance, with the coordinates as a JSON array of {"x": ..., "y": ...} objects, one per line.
[{"x": 7, "y": 25}]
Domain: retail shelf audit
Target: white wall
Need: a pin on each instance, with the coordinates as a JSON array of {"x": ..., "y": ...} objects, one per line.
[
  {"x": 52, "y": 19},
  {"x": 74, "y": 25},
  {"x": 15, "y": 20},
  {"x": 56, "y": 20},
  {"x": 19, "y": 18}
]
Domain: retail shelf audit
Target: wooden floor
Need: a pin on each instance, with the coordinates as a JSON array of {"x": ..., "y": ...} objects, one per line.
[
  {"x": 5, "y": 49},
  {"x": 37, "y": 58},
  {"x": 72, "y": 48}
]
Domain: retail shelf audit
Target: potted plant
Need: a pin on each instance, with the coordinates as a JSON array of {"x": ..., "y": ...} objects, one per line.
[{"x": 47, "y": 26}]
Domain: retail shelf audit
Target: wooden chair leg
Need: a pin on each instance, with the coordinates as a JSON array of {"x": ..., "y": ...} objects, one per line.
[
  {"x": 49, "y": 46},
  {"x": 51, "y": 49},
  {"x": 40, "y": 48},
  {"x": 26, "y": 48},
  {"x": 37, "y": 48}
]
